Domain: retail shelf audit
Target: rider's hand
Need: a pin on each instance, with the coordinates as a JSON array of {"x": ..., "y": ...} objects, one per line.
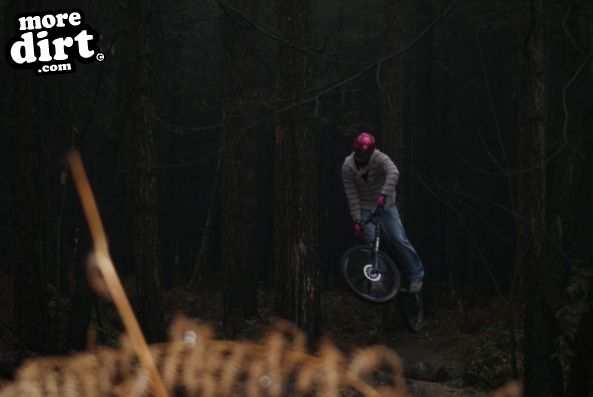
[
  {"x": 380, "y": 201},
  {"x": 357, "y": 229}
]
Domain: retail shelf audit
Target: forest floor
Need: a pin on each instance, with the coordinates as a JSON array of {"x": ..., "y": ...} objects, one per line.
[{"x": 461, "y": 351}]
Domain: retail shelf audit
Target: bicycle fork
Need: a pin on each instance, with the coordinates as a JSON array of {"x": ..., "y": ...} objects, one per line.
[{"x": 376, "y": 248}]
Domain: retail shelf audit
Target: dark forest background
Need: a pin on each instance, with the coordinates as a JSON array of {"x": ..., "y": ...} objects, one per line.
[{"x": 214, "y": 134}]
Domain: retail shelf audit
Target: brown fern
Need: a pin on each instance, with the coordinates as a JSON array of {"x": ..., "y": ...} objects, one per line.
[{"x": 195, "y": 364}]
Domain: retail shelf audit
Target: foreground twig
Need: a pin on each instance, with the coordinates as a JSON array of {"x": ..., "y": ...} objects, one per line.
[{"x": 100, "y": 257}]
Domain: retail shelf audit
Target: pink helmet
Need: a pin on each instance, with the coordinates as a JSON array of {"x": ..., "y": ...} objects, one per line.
[{"x": 364, "y": 145}]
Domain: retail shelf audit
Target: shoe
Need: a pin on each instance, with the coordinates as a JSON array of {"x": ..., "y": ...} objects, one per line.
[{"x": 415, "y": 286}]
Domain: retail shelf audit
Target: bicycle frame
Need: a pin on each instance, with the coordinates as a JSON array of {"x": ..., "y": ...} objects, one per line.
[
  {"x": 376, "y": 246},
  {"x": 377, "y": 239}
]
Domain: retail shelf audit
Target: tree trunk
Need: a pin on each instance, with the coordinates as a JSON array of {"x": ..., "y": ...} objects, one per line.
[
  {"x": 542, "y": 373},
  {"x": 238, "y": 171},
  {"x": 581, "y": 368},
  {"x": 295, "y": 198},
  {"x": 575, "y": 172},
  {"x": 30, "y": 303},
  {"x": 419, "y": 143},
  {"x": 105, "y": 186},
  {"x": 147, "y": 294},
  {"x": 393, "y": 131},
  {"x": 392, "y": 81}
]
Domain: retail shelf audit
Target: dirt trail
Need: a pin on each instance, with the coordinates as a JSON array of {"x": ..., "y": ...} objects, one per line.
[
  {"x": 435, "y": 365},
  {"x": 434, "y": 359}
]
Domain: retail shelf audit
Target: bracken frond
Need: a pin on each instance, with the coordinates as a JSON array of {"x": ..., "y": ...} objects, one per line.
[{"x": 193, "y": 363}]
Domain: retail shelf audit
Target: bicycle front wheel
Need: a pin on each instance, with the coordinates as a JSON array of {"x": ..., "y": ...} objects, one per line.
[{"x": 376, "y": 284}]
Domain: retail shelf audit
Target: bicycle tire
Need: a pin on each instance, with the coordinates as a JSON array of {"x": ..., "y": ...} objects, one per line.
[
  {"x": 412, "y": 308},
  {"x": 353, "y": 264}
]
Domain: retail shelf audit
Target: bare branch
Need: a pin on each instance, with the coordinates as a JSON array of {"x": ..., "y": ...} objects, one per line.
[{"x": 331, "y": 87}]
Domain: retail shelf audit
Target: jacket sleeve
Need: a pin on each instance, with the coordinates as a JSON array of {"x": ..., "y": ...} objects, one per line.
[
  {"x": 351, "y": 193},
  {"x": 391, "y": 174}
]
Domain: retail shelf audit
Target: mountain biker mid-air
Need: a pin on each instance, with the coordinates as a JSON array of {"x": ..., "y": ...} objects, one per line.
[{"x": 369, "y": 178}]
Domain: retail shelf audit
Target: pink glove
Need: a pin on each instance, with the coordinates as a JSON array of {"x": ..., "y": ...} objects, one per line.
[
  {"x": 380, "y": 201},
  {"x": 357, "y": 230}
]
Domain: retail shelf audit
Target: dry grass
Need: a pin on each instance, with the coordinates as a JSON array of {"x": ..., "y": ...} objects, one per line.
[{"x": 195, "y": 364}]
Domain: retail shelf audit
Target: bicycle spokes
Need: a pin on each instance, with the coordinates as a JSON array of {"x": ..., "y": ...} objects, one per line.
[{"x": 372, "y": 278}]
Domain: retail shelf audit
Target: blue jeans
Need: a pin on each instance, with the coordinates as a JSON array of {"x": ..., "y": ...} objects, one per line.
[{"x": 393, "y": 234}]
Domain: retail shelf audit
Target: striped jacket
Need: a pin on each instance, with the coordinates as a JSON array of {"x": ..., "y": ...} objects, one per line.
[{"x": 381, "y": 178}]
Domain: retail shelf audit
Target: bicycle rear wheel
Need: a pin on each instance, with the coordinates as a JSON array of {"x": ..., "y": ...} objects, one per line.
[
  {"x": 368, "y": 283},
  {"x": 413, "y": 310}
]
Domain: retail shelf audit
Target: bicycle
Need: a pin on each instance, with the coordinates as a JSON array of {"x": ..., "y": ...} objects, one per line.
[{"x": 371, "y": 273}]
